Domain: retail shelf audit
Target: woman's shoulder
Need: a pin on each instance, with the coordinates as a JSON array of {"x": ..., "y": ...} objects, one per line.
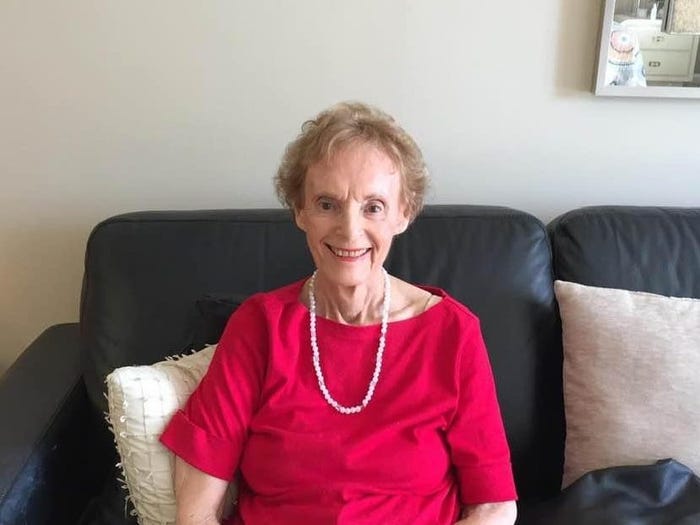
[
  {"x": 437, "y": 303},
  {"x": 275, "y": 300},
  {"x": 262, "y": 310}
]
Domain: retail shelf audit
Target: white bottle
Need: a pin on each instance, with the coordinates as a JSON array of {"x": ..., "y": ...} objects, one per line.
[{"x": 654, "y": 9}]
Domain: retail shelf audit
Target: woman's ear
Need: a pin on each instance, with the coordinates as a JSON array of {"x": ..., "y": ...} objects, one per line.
[
  {"x": 300, "y": 218},
  {"x": 403, "y": 221}
]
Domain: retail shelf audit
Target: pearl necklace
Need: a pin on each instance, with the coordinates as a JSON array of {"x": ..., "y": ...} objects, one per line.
[{"x": 380, "y": 349}]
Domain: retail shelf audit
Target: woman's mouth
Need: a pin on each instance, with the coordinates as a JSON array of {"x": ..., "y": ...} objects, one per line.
[{"x": 348, "y": 253}]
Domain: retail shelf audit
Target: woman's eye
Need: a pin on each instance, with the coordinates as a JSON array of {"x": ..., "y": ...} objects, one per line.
[
  {"x": 375, "y": 207},
  {"x": 325, "y": 205}
]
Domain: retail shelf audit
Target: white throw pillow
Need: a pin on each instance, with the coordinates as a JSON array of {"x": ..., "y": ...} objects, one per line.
[
  {"x": 141, "y": 401},
  {"x": 631, "y": 378}
]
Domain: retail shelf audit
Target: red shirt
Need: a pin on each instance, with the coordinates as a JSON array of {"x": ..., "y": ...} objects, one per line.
[{"x": 430, "y": 440}]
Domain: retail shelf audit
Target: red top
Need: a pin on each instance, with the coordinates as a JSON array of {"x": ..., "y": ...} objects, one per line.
[{"x": 430, "y": 439}]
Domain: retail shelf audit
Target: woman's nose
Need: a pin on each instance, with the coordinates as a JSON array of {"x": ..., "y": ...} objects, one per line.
[{"x": 350, "y": 224}]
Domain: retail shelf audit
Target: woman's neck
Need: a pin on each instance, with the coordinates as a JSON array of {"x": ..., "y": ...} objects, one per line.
[{"x": 356, "y": 305}]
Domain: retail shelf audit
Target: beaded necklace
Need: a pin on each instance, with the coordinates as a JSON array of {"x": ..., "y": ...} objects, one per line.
[{"x": 380, "y": 349}]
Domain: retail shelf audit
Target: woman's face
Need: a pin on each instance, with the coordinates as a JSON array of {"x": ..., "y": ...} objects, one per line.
[{"x": 352, "y": 210}]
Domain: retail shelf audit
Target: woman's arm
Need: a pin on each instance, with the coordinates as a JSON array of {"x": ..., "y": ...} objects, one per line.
[
  {"x": 503, "y": 513},
  {"x": 200, "y": 497}
]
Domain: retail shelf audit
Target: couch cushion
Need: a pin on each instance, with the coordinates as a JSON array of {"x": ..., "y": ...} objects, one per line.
[
  {"x": 145, "y": 272},
  {"x": 648, "y": 249}
]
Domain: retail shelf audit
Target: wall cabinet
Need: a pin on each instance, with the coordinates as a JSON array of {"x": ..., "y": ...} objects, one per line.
[{"x": 668, "y": 58}]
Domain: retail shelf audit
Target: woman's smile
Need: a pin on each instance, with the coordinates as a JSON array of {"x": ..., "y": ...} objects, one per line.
[{"x": 349, "y": 254}]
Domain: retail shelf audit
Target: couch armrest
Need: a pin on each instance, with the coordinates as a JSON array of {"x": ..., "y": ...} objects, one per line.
[{"x": 50, "y": 464}]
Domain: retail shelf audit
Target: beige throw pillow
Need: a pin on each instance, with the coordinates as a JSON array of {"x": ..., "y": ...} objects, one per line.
[
  {"x": 631, "y": 378},
  {"x": 141, "y": 401}
]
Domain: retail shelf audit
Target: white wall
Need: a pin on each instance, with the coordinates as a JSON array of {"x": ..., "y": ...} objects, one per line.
[{"x": 108, "y": 107}]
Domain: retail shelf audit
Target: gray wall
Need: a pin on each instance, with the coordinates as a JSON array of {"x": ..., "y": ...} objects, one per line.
[{"x": 115, "y": 106}]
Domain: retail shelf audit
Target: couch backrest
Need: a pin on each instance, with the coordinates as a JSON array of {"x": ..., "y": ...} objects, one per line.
[
  {"x": 144, "y": 272},
  {"x": 649, "y": 249}
]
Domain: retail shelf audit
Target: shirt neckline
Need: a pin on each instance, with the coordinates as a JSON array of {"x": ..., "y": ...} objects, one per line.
[{"x": 422, "y": 317}]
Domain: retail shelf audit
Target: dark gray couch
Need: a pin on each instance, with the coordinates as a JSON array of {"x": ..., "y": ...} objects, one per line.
[{"x": 144, "y": 273}]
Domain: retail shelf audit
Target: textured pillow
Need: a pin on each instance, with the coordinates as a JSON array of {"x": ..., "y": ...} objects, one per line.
[
  {"x": 141, "y": 401},
  {"x": 631, "y": 381}
]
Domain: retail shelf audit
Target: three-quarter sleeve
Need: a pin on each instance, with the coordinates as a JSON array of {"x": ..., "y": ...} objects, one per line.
[
  {"x": 210, "y": 430},
  {"x": 476, "y": 437}
]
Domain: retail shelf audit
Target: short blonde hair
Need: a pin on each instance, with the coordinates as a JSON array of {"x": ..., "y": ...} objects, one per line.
[{"x": 342, "y": 125}]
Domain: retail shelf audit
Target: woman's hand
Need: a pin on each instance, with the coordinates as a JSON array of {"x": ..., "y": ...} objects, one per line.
[
  {"x": 503, "y": 513},
  {"x": 200, "y": 497}
]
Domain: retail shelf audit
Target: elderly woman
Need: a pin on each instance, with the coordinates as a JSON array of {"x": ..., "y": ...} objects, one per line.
[{"x": 349, "y": 397}]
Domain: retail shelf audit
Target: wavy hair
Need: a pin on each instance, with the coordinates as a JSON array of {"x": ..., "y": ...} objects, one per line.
[{"x": 343, "y": 125}]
